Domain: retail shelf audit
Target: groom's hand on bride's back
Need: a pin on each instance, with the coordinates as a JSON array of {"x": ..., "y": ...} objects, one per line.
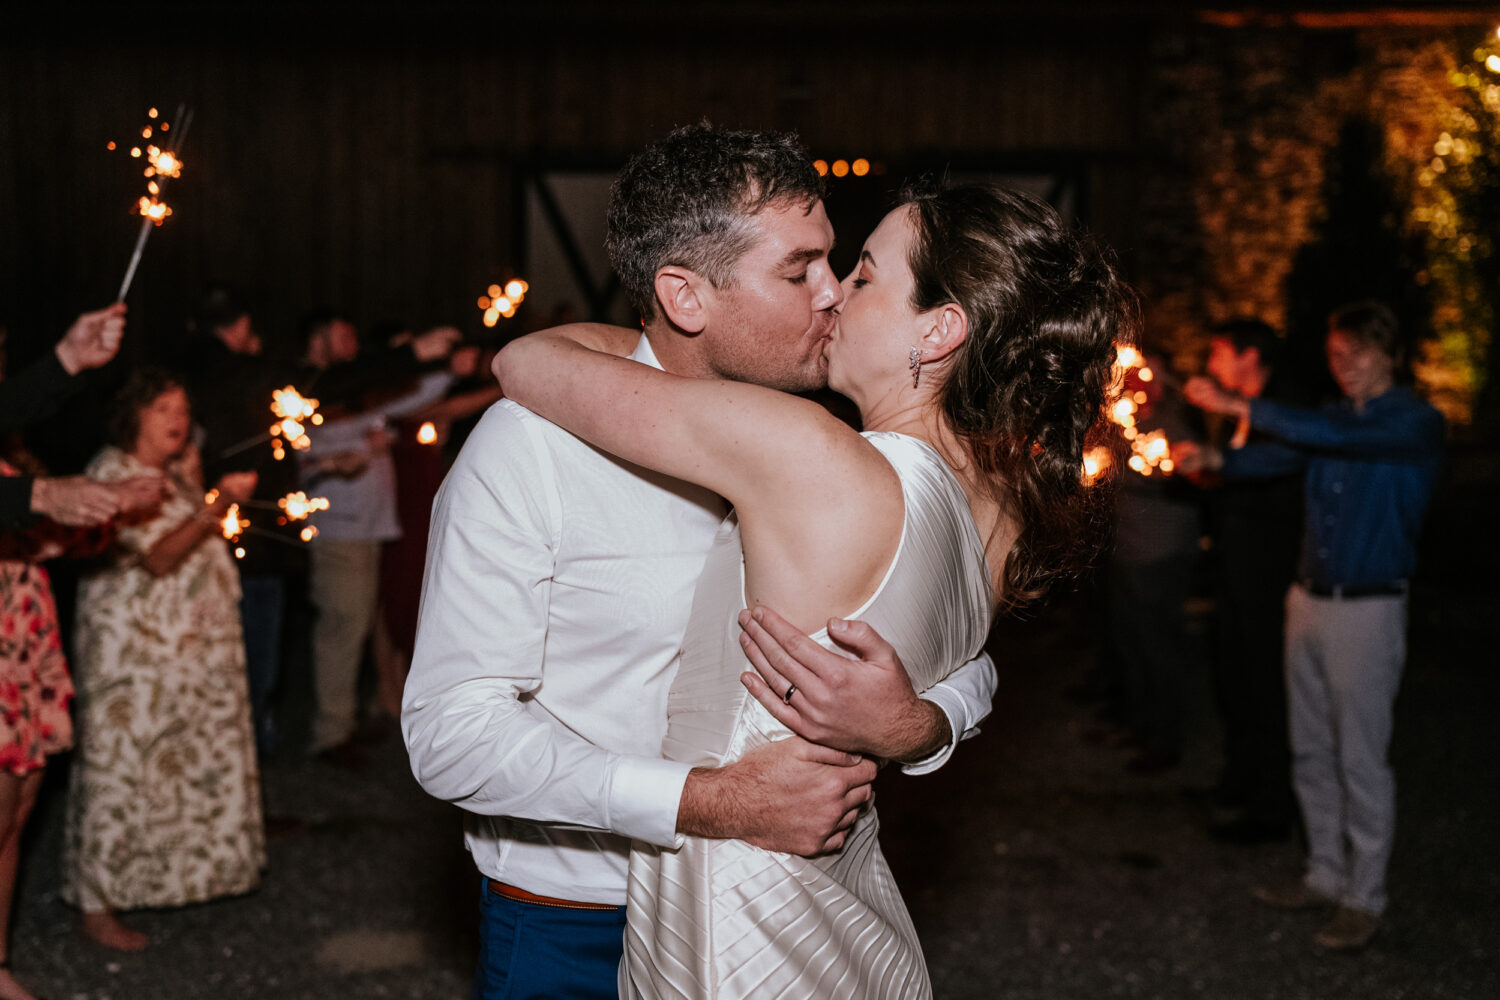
[{"x": 791, "y": 796}]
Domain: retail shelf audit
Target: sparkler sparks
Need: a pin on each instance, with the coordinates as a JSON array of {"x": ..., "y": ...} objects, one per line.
[
  {"x": 231, "y": 525},
  {"x": 160, "y": 165},
  {"x": 1151, "y": 452},
  {"x": 498, "y": 301},
  {"x": 298, "y": 507},
  {"x": 293, "y": 409},
  {"x": 427, "y": 433}
]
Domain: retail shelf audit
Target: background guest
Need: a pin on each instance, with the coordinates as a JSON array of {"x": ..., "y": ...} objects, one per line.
[
  {"x": 231, "y": 386},
  {"x": 1148, "y": 579},
  {"x": 349, "y": 463},
  {"x": 1255, "y": 519},
  {"x": 164, "y": 806},
  {"x": 1372, "y": 460}
]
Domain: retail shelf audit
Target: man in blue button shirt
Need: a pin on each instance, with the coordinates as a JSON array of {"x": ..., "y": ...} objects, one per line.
[{"x": 1371, "y": 461}]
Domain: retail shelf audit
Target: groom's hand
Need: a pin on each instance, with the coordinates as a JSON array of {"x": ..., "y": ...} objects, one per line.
[
  {"x": 791, "y": 796},
  {"x": 864, "y": 705}
]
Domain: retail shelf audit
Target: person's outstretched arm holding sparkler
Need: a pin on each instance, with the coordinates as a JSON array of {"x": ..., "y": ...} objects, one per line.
[{"x": 35, "y": 394}]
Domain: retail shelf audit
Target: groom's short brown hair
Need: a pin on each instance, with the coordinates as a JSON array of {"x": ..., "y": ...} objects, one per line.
[{"x": 686, "y": 200}]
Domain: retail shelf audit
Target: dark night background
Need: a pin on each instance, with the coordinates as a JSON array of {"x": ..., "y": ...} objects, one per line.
[{"x": 394, "y": 159}]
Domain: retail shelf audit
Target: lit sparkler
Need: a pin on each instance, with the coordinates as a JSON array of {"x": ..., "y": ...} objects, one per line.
[
  {"x": 502, "y": 301},
  {"x": 293, "y": 408},
  {"x": 231, "y": 524},
  {"x": 1150, "y": 452},
  {"x": 1096, "y": 463},
  {"x": 427, "y": 433},
  {"x": 293, "y": 412},
  {"x": 299, "y": 507},
  {"x": 160, "y": 164}
]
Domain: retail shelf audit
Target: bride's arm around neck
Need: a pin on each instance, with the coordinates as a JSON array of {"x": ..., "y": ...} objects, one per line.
[{"x": 820, "y": 509}]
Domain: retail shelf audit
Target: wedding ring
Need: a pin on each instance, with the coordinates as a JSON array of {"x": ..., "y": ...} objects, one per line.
[{"x": 791, "y": 690}]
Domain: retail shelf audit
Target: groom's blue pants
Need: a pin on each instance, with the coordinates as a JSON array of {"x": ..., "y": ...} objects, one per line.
[{"x": 533, "y": 952}]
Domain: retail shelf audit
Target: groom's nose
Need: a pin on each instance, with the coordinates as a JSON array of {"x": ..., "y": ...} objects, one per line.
[{"x": 830, "y": 294}]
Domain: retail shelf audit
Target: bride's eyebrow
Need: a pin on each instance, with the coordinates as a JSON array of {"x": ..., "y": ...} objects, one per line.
[{"x": 866, "y": 256}]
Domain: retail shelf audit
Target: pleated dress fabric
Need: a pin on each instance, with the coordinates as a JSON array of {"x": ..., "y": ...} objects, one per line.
[{"x": 722, "y": 919}]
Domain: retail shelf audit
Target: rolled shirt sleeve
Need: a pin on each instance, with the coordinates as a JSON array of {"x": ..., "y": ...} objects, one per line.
[{"x": 965, "y": 696}]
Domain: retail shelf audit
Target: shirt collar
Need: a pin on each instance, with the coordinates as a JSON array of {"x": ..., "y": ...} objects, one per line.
[{"x": 645, "y": 355}]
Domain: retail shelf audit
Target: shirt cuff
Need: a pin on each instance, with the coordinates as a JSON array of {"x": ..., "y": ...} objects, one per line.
[
  {"x": 643, "y": 798},
  {"x": 953, "y": 707}
]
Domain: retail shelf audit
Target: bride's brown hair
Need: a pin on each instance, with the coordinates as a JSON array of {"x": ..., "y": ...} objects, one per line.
[{"x": 1027, "y": 390}]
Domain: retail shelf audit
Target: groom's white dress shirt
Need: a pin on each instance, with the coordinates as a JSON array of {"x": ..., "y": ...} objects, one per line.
[{"x": 556, "y": 595}]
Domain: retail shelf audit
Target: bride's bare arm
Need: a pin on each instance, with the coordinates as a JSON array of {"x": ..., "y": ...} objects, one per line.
[{"x": 820, "y": 509}]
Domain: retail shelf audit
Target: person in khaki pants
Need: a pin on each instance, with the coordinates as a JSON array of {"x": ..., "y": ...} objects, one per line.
[
  {"x": 1372, "y": 460},
  {"x": 349, "y": 462}
]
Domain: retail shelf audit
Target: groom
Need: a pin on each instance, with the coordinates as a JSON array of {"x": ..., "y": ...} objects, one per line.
[{"x": 559, "y": 582}]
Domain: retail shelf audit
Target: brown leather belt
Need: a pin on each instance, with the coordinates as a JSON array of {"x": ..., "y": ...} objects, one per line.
[{"x": 522, "y": 896}]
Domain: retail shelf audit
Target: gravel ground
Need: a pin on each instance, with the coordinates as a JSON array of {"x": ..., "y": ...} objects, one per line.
[{"x": 1034, "y": 865}]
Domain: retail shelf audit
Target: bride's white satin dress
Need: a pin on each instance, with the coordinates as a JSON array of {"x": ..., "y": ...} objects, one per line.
[{"x": 722, "y": 919}]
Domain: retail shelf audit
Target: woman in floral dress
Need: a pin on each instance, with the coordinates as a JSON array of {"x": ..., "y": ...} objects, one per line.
[
  {"x": 164, "y": 806},
  {"x": 34, "y": 694}
]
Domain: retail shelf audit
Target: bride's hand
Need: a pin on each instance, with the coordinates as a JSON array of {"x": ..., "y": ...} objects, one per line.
[{"x": 864, "y": 705}]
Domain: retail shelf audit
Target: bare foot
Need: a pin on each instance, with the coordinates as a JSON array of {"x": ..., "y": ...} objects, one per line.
[
  {"x": 12, "y": 990},
  {"x": 105, "y": 928}
]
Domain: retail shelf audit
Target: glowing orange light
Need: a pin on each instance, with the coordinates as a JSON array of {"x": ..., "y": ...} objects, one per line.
[
  {"x": 231, "y": 524},
  {"x": 860, "y": 167},
  {"x": 840, "y": 168},
  {"x": 1127, "y": 356},
  {"x": 1124, "y": 409},
  {"x": 515, "y": 289},
  {"x": 239, "y": 552},
  {"x": 288, "y": 402},
  {"x": 110, "y": 144},
  {"x": 298, "y": 507},
  {"x": 1096, "y": 462},
  {"x": 821, "y": 166},
  {"x": 309, "y": 533},
  {"x": 152, "y": 209},
  {"x": 135, "y": 151},
  {"x": 1493, "y": 64},
  {"x": 427, "y": 433},
  {"x": 152, "y": 113},
  {"x": 495, "y": 291},
  {"x": 1145, "y": 375},
  {"x": 166, "y": 162}
]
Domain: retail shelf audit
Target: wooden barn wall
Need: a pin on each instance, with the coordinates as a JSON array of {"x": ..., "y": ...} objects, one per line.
[{"x": 381, "y": 176}]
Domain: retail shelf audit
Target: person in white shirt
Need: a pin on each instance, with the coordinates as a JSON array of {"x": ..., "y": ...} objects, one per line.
[{"x": 558, "y": 586}]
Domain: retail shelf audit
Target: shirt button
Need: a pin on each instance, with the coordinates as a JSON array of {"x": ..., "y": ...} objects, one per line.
[{"x": 1337, "y": 487}]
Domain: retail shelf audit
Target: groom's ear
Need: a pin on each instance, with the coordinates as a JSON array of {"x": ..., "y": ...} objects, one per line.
[
  {"x": 678, "y": 295},
  {"x": 947, "y": 329}
]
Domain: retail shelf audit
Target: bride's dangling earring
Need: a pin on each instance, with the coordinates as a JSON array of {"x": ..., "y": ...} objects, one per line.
[{"x": 914, "y": 362}]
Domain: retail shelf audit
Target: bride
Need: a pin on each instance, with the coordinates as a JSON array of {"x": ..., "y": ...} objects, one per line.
[{"x": 976, "y": 338}]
